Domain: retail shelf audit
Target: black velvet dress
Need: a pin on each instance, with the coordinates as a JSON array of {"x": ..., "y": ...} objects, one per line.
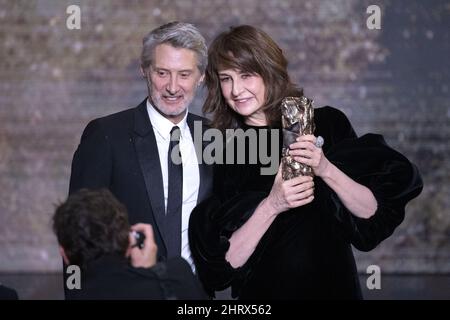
[{"x": 306, "y": 253}]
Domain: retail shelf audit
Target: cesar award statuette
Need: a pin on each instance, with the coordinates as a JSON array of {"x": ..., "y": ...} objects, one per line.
[{"x": 297, "y": 118}]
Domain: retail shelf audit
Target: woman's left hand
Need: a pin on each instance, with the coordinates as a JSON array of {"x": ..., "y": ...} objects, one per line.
[{"x": 305, "y": 151}]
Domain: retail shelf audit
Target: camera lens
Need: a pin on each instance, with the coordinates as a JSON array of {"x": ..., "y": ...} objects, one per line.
[{"x": 139, "y": 237}]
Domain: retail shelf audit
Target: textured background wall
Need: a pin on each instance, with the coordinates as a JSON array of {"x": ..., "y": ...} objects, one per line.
[{"x": 394, "y": 81}]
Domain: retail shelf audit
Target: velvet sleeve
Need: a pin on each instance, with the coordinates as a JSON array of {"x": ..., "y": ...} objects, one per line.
[
  {"x": 392, "y": 179},
  {"x": 333, "y": 125},
  {"x": 211, "y": 225}
]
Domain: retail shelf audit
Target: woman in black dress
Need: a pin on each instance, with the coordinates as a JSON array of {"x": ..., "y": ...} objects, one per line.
[{"x": 274, "y": 239}]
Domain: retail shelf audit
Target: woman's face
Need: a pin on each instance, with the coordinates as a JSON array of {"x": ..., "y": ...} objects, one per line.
[{"x": 245, "y": 94}]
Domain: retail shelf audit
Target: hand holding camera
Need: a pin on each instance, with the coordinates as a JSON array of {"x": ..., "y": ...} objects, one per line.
[
  {"x": 139, "y": 238},
  {"x": 142, "y": 248}
]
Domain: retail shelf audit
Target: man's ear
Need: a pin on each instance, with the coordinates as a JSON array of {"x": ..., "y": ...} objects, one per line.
[
  {"x": 63, "y": 254},
  {"x": 144, "y": 74}
]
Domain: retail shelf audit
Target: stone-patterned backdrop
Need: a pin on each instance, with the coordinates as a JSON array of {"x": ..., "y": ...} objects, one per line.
[{"x": 394, "y": 81}]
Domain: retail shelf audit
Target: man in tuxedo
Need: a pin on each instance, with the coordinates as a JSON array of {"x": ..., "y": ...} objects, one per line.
[
  {"x": 94, "y": 234},
  {"x": 136, "y": 153}
]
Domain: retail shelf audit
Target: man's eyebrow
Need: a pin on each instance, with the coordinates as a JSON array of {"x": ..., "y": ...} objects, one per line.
[{"x": 165, "y": 69}]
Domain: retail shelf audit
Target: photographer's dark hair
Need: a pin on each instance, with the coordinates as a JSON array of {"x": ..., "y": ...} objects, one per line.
[{"x": 90, "y": 224}]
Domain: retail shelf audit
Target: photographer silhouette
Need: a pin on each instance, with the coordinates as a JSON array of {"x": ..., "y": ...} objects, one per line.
[{"x": 94, "y": 234}]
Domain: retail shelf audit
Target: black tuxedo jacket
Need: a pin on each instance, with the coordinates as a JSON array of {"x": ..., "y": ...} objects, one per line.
[{"x": 119, "y": 152}]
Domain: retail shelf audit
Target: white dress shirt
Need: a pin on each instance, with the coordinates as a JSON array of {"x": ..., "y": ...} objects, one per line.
[{"x": 191, "y": 176}]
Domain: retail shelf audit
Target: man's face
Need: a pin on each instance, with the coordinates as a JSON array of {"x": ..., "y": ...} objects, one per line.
[{"x": 173, "y": 79}]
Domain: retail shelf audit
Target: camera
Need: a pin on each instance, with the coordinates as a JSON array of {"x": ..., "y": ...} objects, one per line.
[{"x": 139, "y": 237}]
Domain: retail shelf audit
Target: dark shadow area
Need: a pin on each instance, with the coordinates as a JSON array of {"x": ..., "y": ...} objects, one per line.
[{"x": 395, "y": 287}]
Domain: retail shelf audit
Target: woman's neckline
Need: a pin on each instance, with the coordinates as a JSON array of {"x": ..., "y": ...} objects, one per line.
[{"x": 249, "y": 126}]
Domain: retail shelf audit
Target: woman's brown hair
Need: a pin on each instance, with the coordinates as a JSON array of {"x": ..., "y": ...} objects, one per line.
[{"x": 249, "y": 50}]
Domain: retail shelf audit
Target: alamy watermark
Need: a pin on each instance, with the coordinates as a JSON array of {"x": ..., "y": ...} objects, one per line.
[
  {"x": 235, "y": 146},
  {"x": 73, "y": 280},
  {"x": 374, "y": 280},
  {"x": 73, "y": 21},
  {"x": 374, "y": 20}
]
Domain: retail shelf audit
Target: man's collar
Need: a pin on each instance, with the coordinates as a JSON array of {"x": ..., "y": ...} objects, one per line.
[{"x": 162, "y": 125}]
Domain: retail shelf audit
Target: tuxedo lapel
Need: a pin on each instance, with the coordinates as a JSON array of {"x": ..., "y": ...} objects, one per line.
[{"x": 147, "y": 153}]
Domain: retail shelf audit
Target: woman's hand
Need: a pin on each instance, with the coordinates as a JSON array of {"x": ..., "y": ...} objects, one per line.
[
  {"x": 284, "y": 195},
  {"x": 305, "y": 151},
  {"x": 291, "y": 193}
]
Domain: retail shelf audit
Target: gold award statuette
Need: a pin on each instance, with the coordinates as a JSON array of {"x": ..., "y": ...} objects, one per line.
[{"x": 297, "y": 118}]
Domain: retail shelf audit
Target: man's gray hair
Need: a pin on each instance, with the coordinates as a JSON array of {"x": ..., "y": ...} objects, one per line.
[{"x": 179, "y": 35}]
